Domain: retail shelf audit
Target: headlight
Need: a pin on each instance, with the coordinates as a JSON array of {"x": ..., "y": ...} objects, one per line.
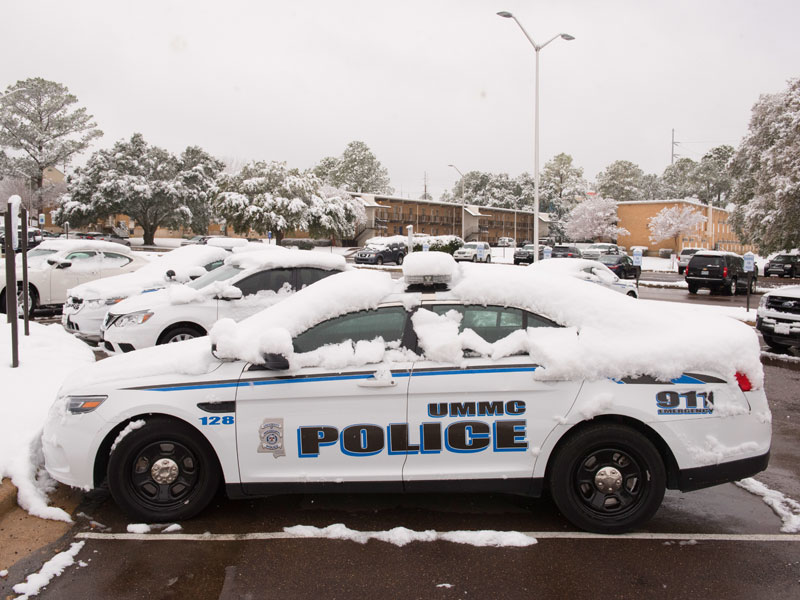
[
  {"x": 84, "y": 404},
  {"x": 134, "y": 318},
  {"x": 100, "y": 302}
]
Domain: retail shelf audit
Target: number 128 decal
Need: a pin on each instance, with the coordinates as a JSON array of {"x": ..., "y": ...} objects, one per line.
[
  {"x": 227, "y": 420},
  {"x": 686, "y": 403}
]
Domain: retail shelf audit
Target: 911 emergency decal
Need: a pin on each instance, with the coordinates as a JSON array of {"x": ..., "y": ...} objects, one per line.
[
  {"x": 696, "y": 403},
  {"x": 270, "y": 436},
  {"x": 461, "y": 437}
]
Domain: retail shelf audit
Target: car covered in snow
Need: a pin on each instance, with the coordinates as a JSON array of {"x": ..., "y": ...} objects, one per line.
[
  {"x": 778, "y": 317},
  {"x": 592, "y": 271},
  {"x": 246, "y": 283},
  {"x": 453, "y": 379},
  {"x": 595, "y": 251},
  {"x": 87, "y": 303},
  {"x": 474, "y": 252},
  {"x": 55, "y": 266}
]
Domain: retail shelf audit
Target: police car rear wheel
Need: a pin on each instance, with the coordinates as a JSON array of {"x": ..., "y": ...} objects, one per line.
[
  {"x": 608, "y": 479},
  {"x": 163, "y": 472}
]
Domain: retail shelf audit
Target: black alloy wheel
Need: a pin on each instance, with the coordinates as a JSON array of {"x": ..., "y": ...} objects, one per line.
[
  {"x": 163, "y": 471},
  {"x": 607, "y": 478}
]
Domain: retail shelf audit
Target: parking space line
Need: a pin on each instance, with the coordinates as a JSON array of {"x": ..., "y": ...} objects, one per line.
[{"x": 541, "y": 535}]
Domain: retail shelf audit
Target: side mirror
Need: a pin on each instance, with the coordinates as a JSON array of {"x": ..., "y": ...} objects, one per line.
[
  {"x": 275, "y": 362},
  {"x": 231, "y": 293},
  {"x": 170, "y": 274},
  {"x": 63, "y": 265}
]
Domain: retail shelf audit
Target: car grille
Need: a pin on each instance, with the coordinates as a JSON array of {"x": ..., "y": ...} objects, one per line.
[{"x": 784, "y": 304}]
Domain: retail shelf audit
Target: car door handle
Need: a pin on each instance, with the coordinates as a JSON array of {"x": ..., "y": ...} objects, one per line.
[{"x": 373, "y": 383}]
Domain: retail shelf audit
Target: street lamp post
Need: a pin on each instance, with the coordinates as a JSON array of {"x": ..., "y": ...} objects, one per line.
[
  {"x": 463, "y": 201},
  {"x": 537, "y": 48}
]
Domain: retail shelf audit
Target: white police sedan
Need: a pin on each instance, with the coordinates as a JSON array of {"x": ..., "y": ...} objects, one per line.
[{"x": 456, "y": 379}]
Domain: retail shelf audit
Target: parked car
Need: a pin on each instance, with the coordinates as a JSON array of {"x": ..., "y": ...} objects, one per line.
[
  {"x": 592, "y": 271},
  {"x": 621, "y": 265},
  {"x": 55, "y": 266},
  {"x": 594, "y": 251},
  {"x": 246, "y": 283},
  {"x": 475, "y": 252},
  {"x": 198, "y": 239},
  {"x": 357, "y": 385},
  {"x": 684, "y": 257},
  {"x": 778, "y": 317},
  {"x": 526, "y": 254},
  {"x": 565, "y": 251},
  {"x": 720, "y": 272},
  {"x": 377, "y": 254},
  {"x": 783, "y": 265},
  {"x": 87, "y": 303},
  {"x": 506, "y": 242},
  {"x": 34, "y": 239}
]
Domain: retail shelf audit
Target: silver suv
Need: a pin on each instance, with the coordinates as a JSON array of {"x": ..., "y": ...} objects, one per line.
[{"x": 684, "y": 257}]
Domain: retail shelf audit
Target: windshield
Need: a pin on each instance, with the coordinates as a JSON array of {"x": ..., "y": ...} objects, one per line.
[
  {"x": 599, "y": 247},
  {"x": 220, "y": 274},
  {"x": 530, "y": 247},
  {"x": 471, "y": 245},
  {"x": 40, "y": 252},
  {"x": 784, "y": 258},
  {"x": 688, "y": 251}
]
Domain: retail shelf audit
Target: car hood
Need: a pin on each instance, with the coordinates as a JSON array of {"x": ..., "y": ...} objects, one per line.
[
  {"x": 791, "y": 291},
  {"x": 143, "y": 301}
]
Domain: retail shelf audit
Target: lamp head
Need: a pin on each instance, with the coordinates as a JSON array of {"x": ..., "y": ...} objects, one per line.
[
  {"x": 568, "y": 37},
  {"x": 505, "y": 14}
]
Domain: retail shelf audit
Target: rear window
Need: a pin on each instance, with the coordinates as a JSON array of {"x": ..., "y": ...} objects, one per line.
[{"x": 707, "y": 261}]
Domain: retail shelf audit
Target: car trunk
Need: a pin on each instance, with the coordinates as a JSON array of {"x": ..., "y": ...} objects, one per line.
[{"x": 706, "y": 266}]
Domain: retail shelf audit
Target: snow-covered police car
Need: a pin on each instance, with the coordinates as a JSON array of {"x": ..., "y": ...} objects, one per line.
[{"x": 499, "y": 380}]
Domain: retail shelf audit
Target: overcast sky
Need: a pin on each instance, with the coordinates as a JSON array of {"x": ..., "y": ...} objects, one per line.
[{"x": 423, "y": 83}]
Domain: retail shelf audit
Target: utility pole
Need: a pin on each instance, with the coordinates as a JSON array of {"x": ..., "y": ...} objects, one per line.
[
  {"x": 425, "y": 184},
  {"x": 674, "y": 154}
]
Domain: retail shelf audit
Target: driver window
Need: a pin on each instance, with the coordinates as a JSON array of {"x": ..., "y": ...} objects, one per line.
[
  {"x": 272, "y": 280},
  {"x": 82, "y": 255},
  {"x": 388, "y": 323}
]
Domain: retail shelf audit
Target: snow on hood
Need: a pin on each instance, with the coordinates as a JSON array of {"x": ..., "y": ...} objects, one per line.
[
  {"x": 269, "y": 259},
  {"x": 183, "y": 261}
]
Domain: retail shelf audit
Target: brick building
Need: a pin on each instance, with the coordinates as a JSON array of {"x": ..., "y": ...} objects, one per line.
[{"x": 716, "y": 233}]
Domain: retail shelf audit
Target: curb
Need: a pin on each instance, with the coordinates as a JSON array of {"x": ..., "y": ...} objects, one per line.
[{"x": 8, "y": 497}]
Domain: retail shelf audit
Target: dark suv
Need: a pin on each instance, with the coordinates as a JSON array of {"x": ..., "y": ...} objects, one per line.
[
  {"x": 783, "y": 265},
  {"x": 564, "y": 251},
  {"x": 718, "y": 271},
  {"x": 379, "y": 254}
]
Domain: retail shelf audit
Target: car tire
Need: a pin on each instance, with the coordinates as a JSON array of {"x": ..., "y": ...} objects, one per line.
[
  {"x": 474, "y": 258},
  {"x": 516, "y": 262},
  {"x": 488, "y": 259},
  {"x": 681, "y": 270},
  {"x": 379, "y": 260},
  {"x": 632, "y": 294},
  {"x": 777, "y": 346},
  {"x": 692, "y": 288},
  {"x": 730, "y": 288},
  {"x": 187, "y": 481},
  {"x": 602, "y": 455},
  {"x": 400, "y": 258},
  {"x": 753, "y": 285},
  {"x": 179, "y": 334}
]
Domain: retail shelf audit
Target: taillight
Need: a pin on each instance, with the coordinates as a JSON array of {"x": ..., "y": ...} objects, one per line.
[
  {"x": 724, "y": 271},
  {"x": 744, "y": 382}
]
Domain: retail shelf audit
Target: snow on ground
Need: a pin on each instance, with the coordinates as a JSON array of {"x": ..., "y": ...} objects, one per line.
[
  {"x": 783, "y": 506},
  {"x": 400, "y": 536},
  {"x": 46, "y": 357},
  {"x": 735, "y": 312},
  {"x": 52, "y": 568}
]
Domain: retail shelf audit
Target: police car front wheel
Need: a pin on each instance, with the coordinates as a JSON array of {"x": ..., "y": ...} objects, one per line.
[
  {"x": 608, "y": 479},
  {"x": 163, "y": 471}
]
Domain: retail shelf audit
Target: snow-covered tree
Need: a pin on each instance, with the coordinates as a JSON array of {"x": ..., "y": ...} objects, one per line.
[
  {"x": 335, "y": 213},
  {"x": 153, "y": 187},
  {"x": 198, "y": 173},
  {"x": 766, "y": 171},
  {"x": 357, "y": 170},
  {"x": 41, "y": 127},
  {"x": 592, "y": 219},
  {"x": 711, "y": 177},
  {"x": 622, "y": 181},
  {"x": 267, "y": 196},
  {"x": 487, "y": 189},
  {"x": 673, "y": 223},
  {"x": 561, "y": 188},
  {"x": 677, "y": 180}
]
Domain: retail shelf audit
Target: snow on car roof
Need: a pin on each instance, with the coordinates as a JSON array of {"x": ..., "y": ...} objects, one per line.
[
  {"x": 181, "y": 260},
  {"x": 288, "y": 259},
  {"x": 602, "y": 335},
  {"x": 70, "y": 245}
]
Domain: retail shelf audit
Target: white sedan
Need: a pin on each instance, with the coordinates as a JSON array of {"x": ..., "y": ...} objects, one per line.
[
  {"x": 87, "y": 304},
  {"x": 55, "y": 266},
  {"x": 246, "y": 283},
  {"x": 508, "y": 381},
  {"x": 592, "y": 271}
]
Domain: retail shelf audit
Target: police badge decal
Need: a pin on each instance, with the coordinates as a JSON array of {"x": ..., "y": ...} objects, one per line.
[{"x": 271, "y": 438}]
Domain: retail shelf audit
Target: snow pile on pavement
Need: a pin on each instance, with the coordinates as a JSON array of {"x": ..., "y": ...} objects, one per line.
[
  {"x": 783, "y": 506},
  {"x": 52, "y": 568},
  {"x": 400, "y": 536},
  {"x": 46, "y": 357}
]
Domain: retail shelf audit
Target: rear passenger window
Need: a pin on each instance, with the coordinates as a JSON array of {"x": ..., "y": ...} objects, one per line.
[
  {"x": 492, "y": 323},
  {"x": 308, "y": 276},
  {"x": 272, "y": 280}
]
